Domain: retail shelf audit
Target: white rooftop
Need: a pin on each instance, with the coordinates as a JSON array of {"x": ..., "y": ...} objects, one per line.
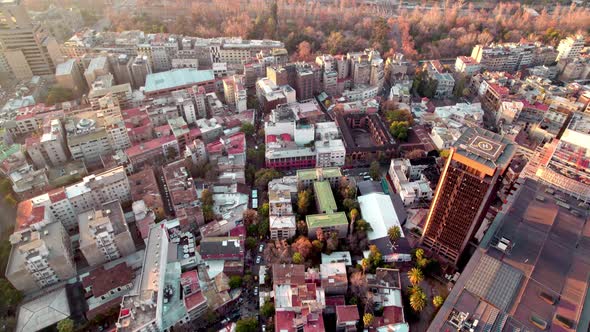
[
  {"x": 377, "y": 209},
  {"x": 44, "y": 311}
]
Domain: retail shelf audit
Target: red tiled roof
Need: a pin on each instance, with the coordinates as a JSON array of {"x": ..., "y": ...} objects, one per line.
[
  {"x": 194, "y": 133},
  {"x": 347, "y": 313},
  {"x": 391, "y": 315},
  {"x": 337, "y": 300},
  {"x": 536, "y": 105},
  {"x": 144, "y": 224},
  {"x": 27, "y": 214},
  {"x": 234, "y": 144},
  {"x": 286, "y": 137},
  {"x": 57, "y": 195},
  {"x": 467, "y": 60},
  {"x": 153, "y": 144},
  {"x": 271, "y": 138},
  {"x": 239, "y": 231},
  {"x": 501, "y": 90},
  {"x": 103, "y": 281},
  {"x": 191, "y": 279}
]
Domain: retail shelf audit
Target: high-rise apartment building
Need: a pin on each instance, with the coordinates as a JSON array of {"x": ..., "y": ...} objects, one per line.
[
  {"x": 40, "y": 257},
  {"x": 26, "y": 48},
  {"x": 69, "y": 76},
  {"x": 48, "y": 149},
  {"x": 104, "y": 234},
  {"x": 465, "y": 191},
  {"x": 570, "y": 47}
]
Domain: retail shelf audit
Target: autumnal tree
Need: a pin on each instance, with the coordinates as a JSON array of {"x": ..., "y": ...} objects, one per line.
[
  {"x": 304, "y": 199},
  {"x": 264, "y": 175},
  {"x": 58, "y": 94},
  {"x": 317, "y": 246},
  {"x": 415, "y": 154},
  {"x": 303, "y": 246},
  {"x": 301, "y": 227},
  {"x": 445, "y": 153},
  {"x": 171, "y": 153},
  {"x": 419, "y": 253},
  {"x": 365, "y": 264},
  {"x": 332, "y": 242},
  {"x": 415, "y": 276},
  {"x": 358, "y": 284},
  {"x": 350, "y": 204},
  {"x": 353, "y": 214},
  {"x": 298, "y": 258},
  {"x": 207, "y": 197},
  {"x": 394, "y": 233},
  {"x": 278, "y": 251},
  {"x": 368, "y": 319},
  {"x": 335, "y": 42},
  {"x": 250, "y": 217},
  {"x": 304, "y": 51},
  {"x": 438, "y": 301}
]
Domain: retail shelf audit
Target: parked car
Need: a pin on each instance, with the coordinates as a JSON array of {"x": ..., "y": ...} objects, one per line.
[
  {"x": 261, "y": 247},
  {"x": 256, "y": 291},
  {"x": 258, "y": 259}
]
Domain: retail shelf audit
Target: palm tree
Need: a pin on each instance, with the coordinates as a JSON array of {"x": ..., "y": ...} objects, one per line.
[
  {"x": 438, "y": 301},
  {"x": 394, "y": 233},
  {"x": 368, "y": 319},
  {"x": 418, "y": 300},
  {"x": 419, "y": 253},
  {"x": 415, "y": 276}
]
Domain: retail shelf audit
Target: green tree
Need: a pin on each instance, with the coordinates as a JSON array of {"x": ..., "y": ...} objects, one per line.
[
  {"x": 365, "y": 264},
  {"x": 235, "y": 282},
  {"x": 251, "y": 243},
  {"x": 58, "y": 94},
  {"x": 65, "y": 325},
  {"x": 362, "y": 225},
  {"x": 445, "y": 153},
  {"x": 264, "y": 176},
  {"x": 418, "y": 300},
  {"x": 207, "y": 197},
  {"x": 247, "y": 325},
  {"x": 297, "y": 258},
  {"x": 415, "y": 276},
  {"x": 263, "y": 227},
  {"x": 399, "y": 130},
  {"x": 350, "y": 204},
  {"x": 394, "y": 233},
  {"x": 247, "y": 128},
  {"x": 375, "y": 171},
  {"x": 10, "y": 297},
  {"x": 368, "y": 319},
  {"x": 419, "y": 253},
  {"x": 335, "y": 42},
  {"x": 397, "y": 114},
  {"x": 268, "y": 308},
  {"x": 438, "y": 301},
  {"x": 264, "y": 210}
]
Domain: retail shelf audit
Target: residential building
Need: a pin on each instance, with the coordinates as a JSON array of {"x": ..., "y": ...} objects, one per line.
[
  {"x": 307, "y": 177},
  {"x": 444, "y": 81},
  {"x": 510, "y": 280},
  {"x": 25, "y": 47},
  {"x": 465, "y": 191},
  {"x": 410, "y": 186},
  {"x": 570, "y": 47},
  {"x": 347, "y": 316},
  {"x": 104, "y": 234},
  {"x": 140, "y": 69},
  {"x": 152, "y": 152},
  {"x": 144, "y": 187},
  {"x": 182, "y": 194},
  {"x": 467, "y": 65},
  {"x": 281, "y": 194},
  {"x": 41, "y": 256},
  {"x": 222, "y": 248},
  {"x": 385, "y": 285},
  {"x": 270, "y": 95},
  {"x": 49, "y": 149},
  {"x": 334, "y": 280},
  {"x": 121, "y": 66},
  {"x": 98, "y": 66},
  {"x": 69, "y": 76},
  {"x": 333, "y": 222}
]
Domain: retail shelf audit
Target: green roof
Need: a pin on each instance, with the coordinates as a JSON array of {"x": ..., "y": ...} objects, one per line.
[
  {"x": 176, "y": 78},
  {"x": 312, "y": 173},
  {"x": 326, "y": 220},
  {"x": 7, "y": 151},
  {"x": 324, "y": 196}
]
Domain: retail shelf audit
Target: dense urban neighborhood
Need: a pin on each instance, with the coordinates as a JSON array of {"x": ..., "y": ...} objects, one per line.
[{"x": 294, "y": 166}]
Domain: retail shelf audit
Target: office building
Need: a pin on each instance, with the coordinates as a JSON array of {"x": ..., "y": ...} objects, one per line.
[
  {"x": 25, "y": 46},
  {"x": 104, "y": 234},
  {"x": 41, "y": 256},
  {"x": 467, "y": 186},
  {"x": 530, "y": 272}
]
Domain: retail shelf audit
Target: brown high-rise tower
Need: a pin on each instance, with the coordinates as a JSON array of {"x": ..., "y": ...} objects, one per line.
[{"x": 465, "y": 190}]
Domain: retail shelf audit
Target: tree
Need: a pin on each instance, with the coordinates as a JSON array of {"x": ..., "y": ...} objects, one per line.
[
  {"x": 399, "y": 130},
  {"x": 58, "y": 94},
  {"x": 235, "y": 282},
  {"x": 394, "y": 233},
  {"x": 399, "y": 114},
  {"x": 247, "y": 325},
  {"x": 263, "y": 227},
  {"x": 301, "y": 227},
  {"x": 10, "y": 297},
  {"x": 268, "y": 308},
  {"x": 418, "y": 300},
  {"x": 303, "y": 246},
  {"x": 365, "y": 264},
  {"x": 419, "y": 253},
  {"x": 335, "y": 42},
  {"x": 249, "y": 217},
  {"x": 368, "y": 319},
  {"x": 415, "y": 276},
  {"x": 353, "y": 214},
  {"x": 65, "y": 325},
  {"x": 358, "y": 284},
  {"x": 264, "y": 210},
  {"x": 445, "y": 153},
  {"x": 375, "y": 171},
  {"x": 332, "y": 243},
  {"x": 298, "y": 258},
  {"x": 350, "y": 204},
  {"x": 171, "y": 153},
  {"x": 319, "y": 234},
  {"x": 304, "y": 51},
  {"x": 415, "y": 154},
  {"x": 438, "y": 301},
  {"x": 251, "y": 243},
  {"x": 362, "y": 225},
  {"x": 375, "y": 257},
  {"x": 247, "y": 128},
  {"x": 207, "y": 197},
  {"x": 303, "y": 201},
  {"x": 264, "y": 175}
]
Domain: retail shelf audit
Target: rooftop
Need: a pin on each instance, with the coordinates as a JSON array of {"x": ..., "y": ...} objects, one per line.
[
  {"x": 324, "y": 196},
  {"x": 485, "y": 147},
  {"x": 326, "y": 220},
  {"x": 520, "y": 274},
  {"x": 318, "y": 173},
  {"x": 378, "y": 210},
  {"x": 176, "y": 78},
  {"x": 43, "y": 311},
  {"x": 104, "y": 280}
]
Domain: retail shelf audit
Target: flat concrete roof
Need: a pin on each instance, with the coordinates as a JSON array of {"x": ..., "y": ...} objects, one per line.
[{"x": 176, "y": 78}]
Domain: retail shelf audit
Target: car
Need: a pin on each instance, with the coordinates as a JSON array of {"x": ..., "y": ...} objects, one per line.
[
  {"x": 258, "y": 259},
  {"x": 366, "y": 177},
  {"x": 261, "y": 247},
  {"x": 256, "y": 291}
]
